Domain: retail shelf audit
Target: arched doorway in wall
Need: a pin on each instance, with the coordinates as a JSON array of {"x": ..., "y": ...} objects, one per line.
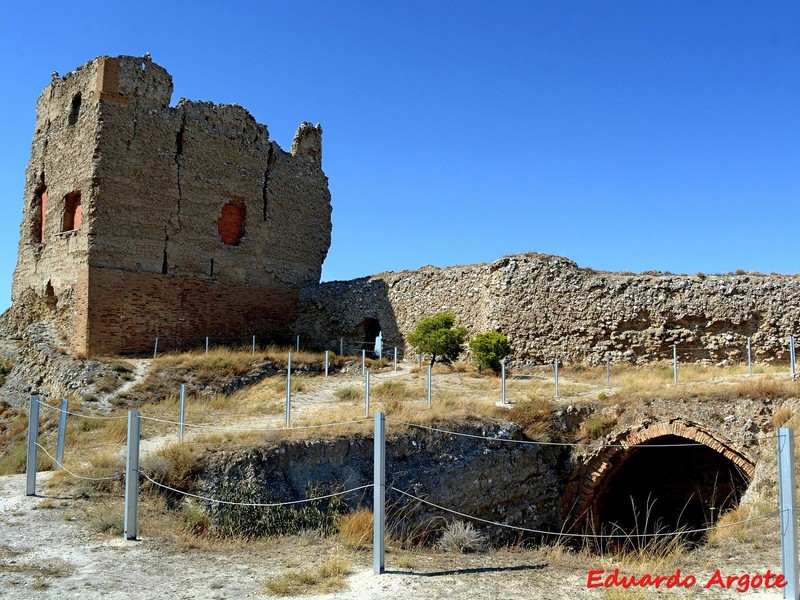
[
  {"x": 657, "y": 478},
  {"x": 366, "y": 332}
]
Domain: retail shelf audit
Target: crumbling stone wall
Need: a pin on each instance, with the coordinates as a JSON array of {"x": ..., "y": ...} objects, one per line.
[
  {"x": 548, "y": 306},
  {"x": 141, "y": 219}
]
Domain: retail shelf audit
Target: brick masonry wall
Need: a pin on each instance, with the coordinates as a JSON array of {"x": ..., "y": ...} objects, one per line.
[
  {"x": 127, "y": 310},
  {"x": 153, "y": 182}
]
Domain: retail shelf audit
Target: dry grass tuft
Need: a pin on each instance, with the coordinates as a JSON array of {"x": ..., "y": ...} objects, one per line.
[
  {"x": 535, "y": 418},
  {"x": 176, "y": 465},
  {"x": 782, "y": 416},
  {"x": 596, "y": 426},
  {"x": 356, "y": 529},
  {"x": 328, "y": 577}
]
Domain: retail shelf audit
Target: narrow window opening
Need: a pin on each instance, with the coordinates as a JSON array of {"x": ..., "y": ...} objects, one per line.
[
  {"x": 73, "y": 214},
  {"x": 39, "y": 208},
  {"x": 231, "y": 224},
  {"x": 50, "y": 296},
  {"x": 76, "y": 109}
]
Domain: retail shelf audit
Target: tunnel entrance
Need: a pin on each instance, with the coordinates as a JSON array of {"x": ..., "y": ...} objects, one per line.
[
  {"x": 666, "y": 486},
  {"x": 658, "y": 476}
]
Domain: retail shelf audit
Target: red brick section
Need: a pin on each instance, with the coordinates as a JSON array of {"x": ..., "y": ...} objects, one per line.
[
  {"x": 589, "y": 478},
  {"x": 108, "y": 80},
  {"x": 231, "y": 223},
  {"x": 127, "y": 310},
  {"x": 72, "y": 211}
]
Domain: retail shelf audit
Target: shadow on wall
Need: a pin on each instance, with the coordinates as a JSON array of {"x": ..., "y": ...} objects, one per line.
[{"x": 353, "y": 311}]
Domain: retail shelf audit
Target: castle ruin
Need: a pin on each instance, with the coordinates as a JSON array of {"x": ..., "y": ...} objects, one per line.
[{"x": 142, "y": 219}]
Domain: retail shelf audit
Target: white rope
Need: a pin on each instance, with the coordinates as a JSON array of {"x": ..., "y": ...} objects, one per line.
[
  {"x": 82, "y": 416},
  {"x": 510, "y": 441},
  {"x": 75, "y": 474},
  {"x": 585, "y": 535},
  {"x": 221, "y": 428},
  {"x": 254, "y": 504}
]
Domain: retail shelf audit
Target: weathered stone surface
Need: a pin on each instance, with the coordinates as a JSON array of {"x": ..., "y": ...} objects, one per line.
[
  {"x": 548, "y": 306},
  {"x": 515, "y": 484},
  {"x": 191, "y": 221}
]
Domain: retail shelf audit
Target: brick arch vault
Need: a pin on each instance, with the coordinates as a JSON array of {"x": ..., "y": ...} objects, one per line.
[{"x": 657, "y": 476}]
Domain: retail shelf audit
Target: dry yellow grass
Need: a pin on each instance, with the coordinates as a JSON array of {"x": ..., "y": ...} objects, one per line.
[
  {"x": 356, "y": 529},
  {"x": 327, "y": 577}
]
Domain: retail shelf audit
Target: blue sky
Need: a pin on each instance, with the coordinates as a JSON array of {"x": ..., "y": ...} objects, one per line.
[{"x": 624, "y": 135}]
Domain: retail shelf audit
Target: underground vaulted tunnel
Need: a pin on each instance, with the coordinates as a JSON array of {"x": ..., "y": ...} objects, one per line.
[{"x": 663, "y": 483}]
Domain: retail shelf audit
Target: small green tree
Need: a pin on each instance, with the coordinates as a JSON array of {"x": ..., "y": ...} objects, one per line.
[
  {"x": 488, "y": 349},
  {"x": 437, "y": 336}
]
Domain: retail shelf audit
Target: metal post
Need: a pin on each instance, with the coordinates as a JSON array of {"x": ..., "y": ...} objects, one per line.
[
  {"x": 791, "y": 355},
  {"x": 788, "y": 514},
  {"x": 429, "y": 385},
  {"x": 155, "y": 349},
  {"x": 254, "y": 345},
  {"x": 366, "y": 396},
  {"x": 206, "y": 344},
  {"x": 608, "y": 371},
  {"x": 675, "y": 364},
  {"x": 326, "y": 364},
  {"x": 395, "y": 359},
  {"x": 341, "y": 346},
  {"x": 33, "y": 438},
  {"x": 181, "y": 412},
  {"x": 420, "y": 361},
  {"x": 379, "y": 495},
  {"x": 62, "y": 433},
  {"x": 132, "y": 477},
  {"x": 298, "y": 342},
  {"x": 363, "y": 361},
  {"x": 503, "y": 380},
  {"x": 555, "y": 367},
  {"x": 749, "y": 359},
  {"x": 289, "y": 391}
]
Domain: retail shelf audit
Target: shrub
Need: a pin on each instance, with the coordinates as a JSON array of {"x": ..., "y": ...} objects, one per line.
[
  {"x": 488, "y": 349},
  {"x": 461, "y": 537},
  {"x": 241, "y": 521},
  {"x": 349, "y": 393},
  {"x": 437, "y": 336}
]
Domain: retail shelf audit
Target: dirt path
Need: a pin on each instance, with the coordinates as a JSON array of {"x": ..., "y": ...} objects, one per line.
[{"x": 141, "y": 367}]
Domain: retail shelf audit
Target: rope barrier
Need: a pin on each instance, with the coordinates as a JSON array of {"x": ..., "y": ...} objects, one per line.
[
  {"x": 221, "y": 428},
  {"x": 254, "y": 504},
  {"x": 584, "y": 535},
  {"x": 80, "y": 415},
  {"x": 75, "y": 474},
  {"x": 531, "y": 442}
]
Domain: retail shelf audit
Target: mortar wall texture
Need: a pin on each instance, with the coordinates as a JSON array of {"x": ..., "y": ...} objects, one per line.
[
  {"x": 548, "y": 307},
  {"x": 192, "y": 222}
]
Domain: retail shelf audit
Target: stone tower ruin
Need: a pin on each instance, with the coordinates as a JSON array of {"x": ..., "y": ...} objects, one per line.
[{"x": 142, "y": 219}]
